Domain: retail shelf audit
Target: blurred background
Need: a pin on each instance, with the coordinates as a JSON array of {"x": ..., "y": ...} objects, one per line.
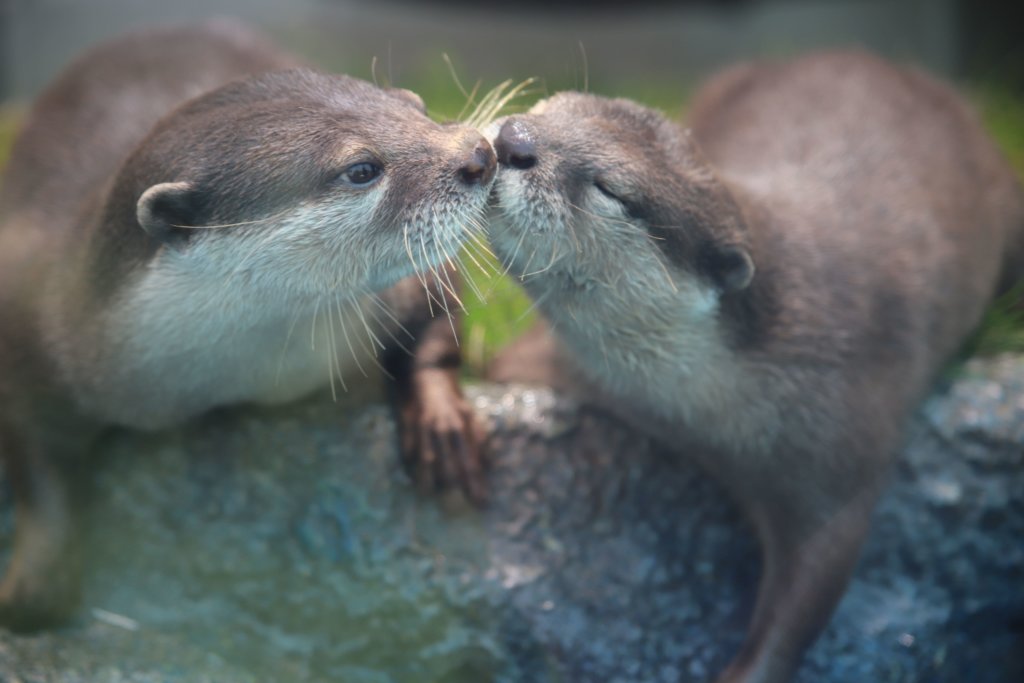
[
  {"x": 369, "y": 591},
  {"x": 628, "y": 45},
  {"x": 655, "y": 52}
]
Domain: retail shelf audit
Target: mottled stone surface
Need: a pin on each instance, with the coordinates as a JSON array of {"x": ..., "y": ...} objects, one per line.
[{"x": 287, "y": 545}]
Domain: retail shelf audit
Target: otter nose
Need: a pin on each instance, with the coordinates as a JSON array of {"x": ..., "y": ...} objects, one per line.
[
  {"x": 480, "y": 167},
  {"x": 515, "y": 147}
]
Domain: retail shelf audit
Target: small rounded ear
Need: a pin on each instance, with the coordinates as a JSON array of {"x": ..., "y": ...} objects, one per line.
[
  {"x": 731, "y": 267},
  {"x": 166, "y": 210},
  {"x": 411, "y": 97}
]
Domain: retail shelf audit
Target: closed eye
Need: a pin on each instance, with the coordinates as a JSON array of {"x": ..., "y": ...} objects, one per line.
[
  {"x": 633, "y": 207},
  {"x": 603, "y": 189}
]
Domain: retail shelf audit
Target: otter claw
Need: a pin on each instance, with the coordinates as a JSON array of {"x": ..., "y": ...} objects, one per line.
[{"x": 441, "y": 447}]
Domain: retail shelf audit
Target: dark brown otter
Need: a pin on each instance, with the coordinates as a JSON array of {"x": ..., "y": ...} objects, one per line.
[
  {"x": 771, "y": 290},
  {"x": 189, "y": 220}
]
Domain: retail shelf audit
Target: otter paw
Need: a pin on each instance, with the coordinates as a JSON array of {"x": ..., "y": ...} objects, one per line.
[{"x": 441, "y": 446}]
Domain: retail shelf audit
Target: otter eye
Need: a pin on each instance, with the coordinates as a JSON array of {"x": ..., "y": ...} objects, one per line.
[
  {"x": 362, "y": 173},
  {"x": 629, "y": 204},
  {"x": 603, "y": 189}
]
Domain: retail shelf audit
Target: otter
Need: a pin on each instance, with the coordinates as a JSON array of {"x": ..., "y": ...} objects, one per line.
[
  {"x": 193, "y": 219},
  {"x": 770, "y": 290}
]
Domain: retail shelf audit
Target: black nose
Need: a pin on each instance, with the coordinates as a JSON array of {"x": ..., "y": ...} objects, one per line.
[
  {"x": 480, "y": 167},
  {"x": 514, "y": 146}
]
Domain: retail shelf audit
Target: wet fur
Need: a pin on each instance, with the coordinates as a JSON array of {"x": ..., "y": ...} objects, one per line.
[{"x": 879, "y": 219}]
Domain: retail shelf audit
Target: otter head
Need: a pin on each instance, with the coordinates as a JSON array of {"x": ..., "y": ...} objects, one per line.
[
  {"x": 305, "y": 182},
  {"x": 606, "y": 201}
]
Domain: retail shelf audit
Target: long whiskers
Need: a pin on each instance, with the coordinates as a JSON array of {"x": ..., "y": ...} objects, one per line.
[
  {"x": 555, "y": 255},
  {"x": 474, "y": 287},
  {"x": 391, "y": 316},
  {"x": 348, "y": 340},
  {"x": 416, "y": 269},
  {"x": 534, "y": 305},
  {"x": 448, "y": 248},
  {"x": 515, "y": 253},
  {"x": 287, "y": 341},
  {"x": 446, "y": 281},
  {"x": 333, "y": 353},
  {"x": 526, "y": 266},
  {"x": 375, "y": 342},
  {"x": 668, "y": 276},
  {"x": 312, "y": 331},
  {"x": 371, "y": 353},
  {"x": 217, "y": 226},
  {"x": 470, "y": 96},
  {"x": 440, "y": 281},
  {"x": 441, "y": 288},
  {"x": 451, "y": 319},
  {"x": 496, "y": 100}
]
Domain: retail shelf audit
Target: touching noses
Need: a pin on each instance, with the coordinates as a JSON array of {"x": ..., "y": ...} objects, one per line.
[
  {"x": 515, "y": 146},
  {"x": 479, "y": 168}
]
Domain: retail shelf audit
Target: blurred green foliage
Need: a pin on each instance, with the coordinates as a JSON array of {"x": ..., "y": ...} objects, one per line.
[
  {"x": 1002, "y": 329},
  {"x": 9, "y": 117},
  {"x": 1003, "y": 113}
]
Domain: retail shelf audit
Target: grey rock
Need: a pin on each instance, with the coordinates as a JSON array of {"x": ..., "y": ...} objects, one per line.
[{"x": 288, "y": 545}]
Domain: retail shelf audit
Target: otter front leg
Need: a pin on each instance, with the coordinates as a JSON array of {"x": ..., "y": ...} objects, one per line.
[
  {"x": 439, "y": 437},
  {"x": 808, "y": 557},
  {"x": 41, "y": 584}
]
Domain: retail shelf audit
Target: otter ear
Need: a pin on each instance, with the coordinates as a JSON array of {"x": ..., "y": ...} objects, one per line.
[
  {"x": 731, "y": 267},
  {"x": 410, "y": 97},
  {"x": 163, "y": 209}
]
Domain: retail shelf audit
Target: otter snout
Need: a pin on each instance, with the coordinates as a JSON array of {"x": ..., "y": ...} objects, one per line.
[
  {"x": 480, "y": 166},
  {"x": 515, "y": 145}
]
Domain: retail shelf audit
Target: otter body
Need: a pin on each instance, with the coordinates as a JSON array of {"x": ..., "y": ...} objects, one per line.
[
  {"x": 190, "y": 219},
  {"x": 770, "y": 291}
]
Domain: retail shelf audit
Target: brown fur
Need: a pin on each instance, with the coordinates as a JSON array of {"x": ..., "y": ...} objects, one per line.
[
  {"x": 177, "y": 200},
  {"x": 848, "y": 221}
]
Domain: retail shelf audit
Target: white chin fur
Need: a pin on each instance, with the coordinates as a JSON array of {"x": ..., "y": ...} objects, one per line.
[{"x": 255, "y": 316}]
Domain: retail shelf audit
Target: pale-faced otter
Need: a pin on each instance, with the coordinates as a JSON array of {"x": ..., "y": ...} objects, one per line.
[
  {"x": 189, "y": 221},
  {"x": 771, "y": 290}
]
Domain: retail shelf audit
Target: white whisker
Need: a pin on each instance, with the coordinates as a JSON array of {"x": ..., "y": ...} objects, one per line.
[
  {"x": 533, "y": 306},
  {"x": 374, "y": 340},
  {"x": 515, "y": 253},
  {"x": 284, "y": 349},
  {"x": 443, "y": 276},
  {"x": 370, "y": 353},
  {"x": 555, "y": 255},
  {"x": 348, "y": 340},
  {"x": 334, "y": 352},
  {"x": 416, "y": 268},
  {"x": 218, "y": 226},
  {"x": 312, "y": 331},
  {"x": 391, "y": 316}
]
